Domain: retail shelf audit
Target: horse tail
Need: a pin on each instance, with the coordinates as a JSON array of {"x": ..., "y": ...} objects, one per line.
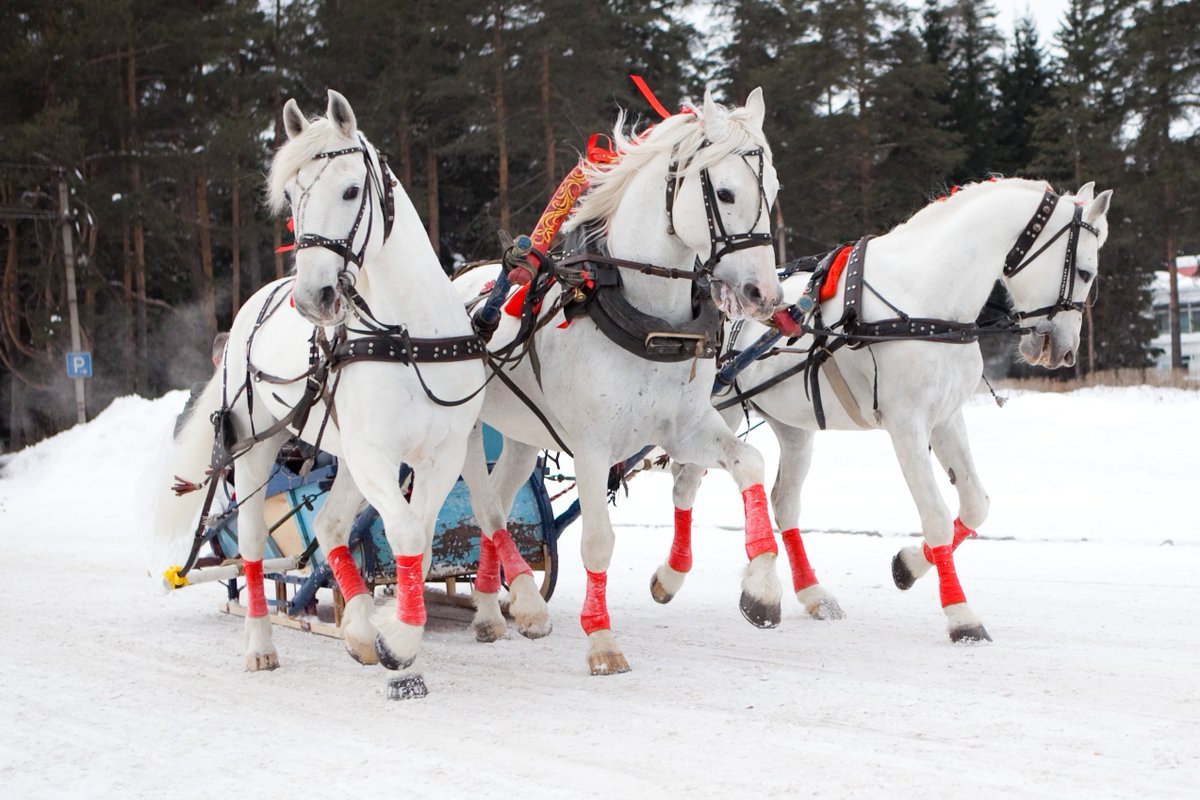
[{"x": 185, "y": 463}]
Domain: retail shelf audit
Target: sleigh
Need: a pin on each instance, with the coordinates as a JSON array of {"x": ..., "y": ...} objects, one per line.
[{"x": 306, "y": 596}]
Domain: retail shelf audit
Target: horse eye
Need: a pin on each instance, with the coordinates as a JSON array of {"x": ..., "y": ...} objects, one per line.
[
  {"x": 725, "y": 196},
  {"x": 1085, "y": 276},
  {"x": 351, "y": 193}
]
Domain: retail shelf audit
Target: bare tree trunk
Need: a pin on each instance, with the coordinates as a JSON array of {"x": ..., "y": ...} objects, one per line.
[
  {"x": 404, "y": 141},
  {"x": 547, "y": 126},
  {"x": 861, "y": 126},
  {"x": 207, "y": 297},
  {"x": 431, "y": 177},
  {"x": 277, "y": 103},
  {"x": 127, "y": 296},
  {"x": 780, "y": 234},
  {"x": 139, "y": 231},
  {"x": 235, "y": 243},
  {"x": 498, "y": 58}
]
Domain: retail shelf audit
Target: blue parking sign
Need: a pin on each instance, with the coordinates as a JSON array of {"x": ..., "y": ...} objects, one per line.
[{"x": 79, "y": 365}]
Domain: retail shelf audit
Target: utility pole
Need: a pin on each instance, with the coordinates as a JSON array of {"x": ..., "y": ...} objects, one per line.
[{"x": 72, "y": 301}]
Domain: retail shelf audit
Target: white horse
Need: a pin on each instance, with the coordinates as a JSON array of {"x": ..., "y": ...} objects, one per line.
[
  {"x": 938, "y": 267},
  {"x": 696, "y": 189},
  {"x": 367, "y": 277}
]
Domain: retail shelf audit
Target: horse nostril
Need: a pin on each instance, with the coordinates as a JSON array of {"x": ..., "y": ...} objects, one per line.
[
  {"x": 752, "y": 293},
  {"x": 327, "y": 296},
  {"x": 1069, "y": 359}
]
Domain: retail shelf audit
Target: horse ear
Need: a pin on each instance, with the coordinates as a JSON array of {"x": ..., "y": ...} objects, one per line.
[
  {"x": 714, "y": 117},
  {"x": 293, "y": 120},
  {"x": 341, "y": 114},
  {"x": 1099, "y": 207},
  {"x": 1086, "y": 192},
  {"x": 756, "y": 106}
]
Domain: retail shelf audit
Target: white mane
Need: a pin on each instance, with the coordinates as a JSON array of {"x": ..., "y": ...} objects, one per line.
[
  {"x": 320, "y": 135},
  {"x": 935, "y": 212},
  {"x": 683, "y": 135}
]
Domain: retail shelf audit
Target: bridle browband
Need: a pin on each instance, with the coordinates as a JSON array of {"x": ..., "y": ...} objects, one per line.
[
  {"x": 380, "y": 181},
  {"x": 1016, "y": 260},
  {"x": 721, "y": 242}
]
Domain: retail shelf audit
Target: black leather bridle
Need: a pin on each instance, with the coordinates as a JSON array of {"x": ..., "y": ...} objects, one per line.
[
  {"x": 379, "y": 181},
  {"x": 1016, "y": 260},
  {"x": 721, "y": 242}
]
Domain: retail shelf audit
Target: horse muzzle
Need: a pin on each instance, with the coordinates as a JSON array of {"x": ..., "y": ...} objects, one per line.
[
  {"x": 749, "y": 300},
  {"x": 1049, "y": 346},
  {"x": 324, "y": 307}
]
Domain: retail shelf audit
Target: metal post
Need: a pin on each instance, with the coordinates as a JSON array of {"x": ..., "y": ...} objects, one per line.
[{"x": 72, "y": 300}]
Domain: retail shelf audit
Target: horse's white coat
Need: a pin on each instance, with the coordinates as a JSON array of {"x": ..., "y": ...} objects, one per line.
[
  {"x": 942, "y": 263},
  {"x": 607, "y": 403},
  {"x": 384, "y": 417}
]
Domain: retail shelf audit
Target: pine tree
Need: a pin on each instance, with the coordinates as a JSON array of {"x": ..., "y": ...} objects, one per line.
[{"x": 1024, "y": 91}]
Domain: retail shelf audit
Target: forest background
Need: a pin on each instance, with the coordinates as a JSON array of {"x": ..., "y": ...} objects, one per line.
[{"x": 158, "y": 118}]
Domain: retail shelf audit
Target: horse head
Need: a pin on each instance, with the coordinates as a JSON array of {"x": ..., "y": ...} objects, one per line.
[
  {"x": 720, "y": 184},
  {"x": 1051, "y": 285},
  {"x": 339, "y": 194}
]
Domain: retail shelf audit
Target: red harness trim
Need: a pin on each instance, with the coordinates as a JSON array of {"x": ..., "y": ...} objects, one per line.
[
  {"x": 256, "y": 601},
  {"x": 760, "y": 538},
  {"x": 287, "y": 248},
  {"x": 410, "y": 590},
  {"x": 487, "y": 576},
  {"x": 802, "y": 572},
  {"x": 348, "y": 578},
  {"x": 642, "y": 87},
  {"x": 830, "y": 286},
  {"x": 680, "y": 558},
  {"x": 594, "y": 616}
]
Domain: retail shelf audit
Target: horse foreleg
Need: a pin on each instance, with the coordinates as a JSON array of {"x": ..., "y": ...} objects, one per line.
[
  {"x": 596, "y": 546},
  {"x": 795, "y": 457},
  {"x": 950, "y": 445},
  {"x": 711, "y": 443},
  {"x": 491, "y": 499},
  {"x": 668, "y": 579},
  {"x": 250, "y": 478},
  {"x": 912, "y": 451},
  {"x": 331, "y": 526}
]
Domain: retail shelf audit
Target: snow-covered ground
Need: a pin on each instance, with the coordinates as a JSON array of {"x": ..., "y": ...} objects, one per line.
[{"x": 1087, "y": 575}]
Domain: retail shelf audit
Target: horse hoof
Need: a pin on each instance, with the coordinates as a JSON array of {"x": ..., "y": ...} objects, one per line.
[
  {"x": 407, "y": 687},
  {"x": 607, "y": 663},
  {"x": 826, "y": 608},
  {"x": 259, "y": 662},
  {"x": 389, "y": 659},
  {"x": 969, "y": 634},
  {"x": 760, "y": 614},
  {"x": 362, "y": 652},
  {"x": 901, "y": 574},
  {"x": 489, "y": 631},
  {"x": 536, "y": 629},
  {"x": 658, "y": 591}
]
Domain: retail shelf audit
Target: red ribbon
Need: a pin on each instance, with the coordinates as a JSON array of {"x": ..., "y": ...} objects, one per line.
[
  {"x": 287, "y": 248},
  {"x": 649, "y": 95}
]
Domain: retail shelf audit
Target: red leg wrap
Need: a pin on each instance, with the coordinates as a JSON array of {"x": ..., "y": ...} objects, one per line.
[
  {"x": 680, "y": 558},
  {"x": 802, "y": 572},
  {"x": 759, "y": 536},
  {"x": 594, "y": 616},
  {"x": 410, "y": 590},
  {"x": 950, "y": 588},
  {"x": 487, "y": 577},
  {"x": 256, "y": 600},
  {"x": 346, "y": 574},
  {"x": 961, "y": 534},
  {"x": 510, "y": 557}
]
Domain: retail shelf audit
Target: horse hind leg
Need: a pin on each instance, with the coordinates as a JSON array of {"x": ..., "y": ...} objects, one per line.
[
  {"x": 795, "y": 458},
  {"x": 491, "y": 499},
  {"x": 912, "y": 451},
  {"x": 331, "y": 525},
  {"x": 951, "y": 446},
  {"x": 668, "y": 579}
]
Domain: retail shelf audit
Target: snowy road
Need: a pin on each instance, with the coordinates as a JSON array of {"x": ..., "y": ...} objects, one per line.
[{"x": 1091, "y": 688}]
